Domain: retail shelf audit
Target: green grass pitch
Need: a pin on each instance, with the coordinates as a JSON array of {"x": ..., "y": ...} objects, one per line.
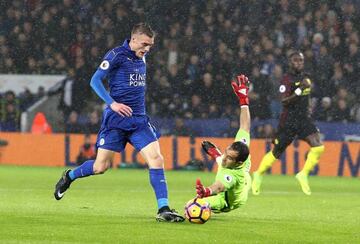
[{"x": 119, "y": 207}]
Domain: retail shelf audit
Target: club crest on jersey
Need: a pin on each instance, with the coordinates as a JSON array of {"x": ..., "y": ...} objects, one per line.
[
  {"x": 104, "y": 65},
  {"x": 137, "y": 79}
]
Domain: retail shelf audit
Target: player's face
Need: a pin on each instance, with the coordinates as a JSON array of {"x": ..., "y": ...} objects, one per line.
[
  {"x": 297, "y": 62},
  {"x": 141, "y": 44},
  {"x": 229, "y": 159}
]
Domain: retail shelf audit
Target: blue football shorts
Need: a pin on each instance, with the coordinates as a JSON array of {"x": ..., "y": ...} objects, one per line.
[{"x": 116, "y": 131}]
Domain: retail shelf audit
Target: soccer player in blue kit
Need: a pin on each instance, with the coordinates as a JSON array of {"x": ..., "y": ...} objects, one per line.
[{"x": 124, "y": 119}]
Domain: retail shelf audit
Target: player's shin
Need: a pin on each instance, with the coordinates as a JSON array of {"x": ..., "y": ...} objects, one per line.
[
  {"x": 84, "y": 170},
  {"x": 312, "y": 159},
  {"x": 266, "y": 163},
  {"x": 158, "y": 182}
]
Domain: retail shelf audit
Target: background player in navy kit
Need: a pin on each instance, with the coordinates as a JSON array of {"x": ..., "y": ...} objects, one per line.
[
  {"x": 294, "y": 122},
  {"x": 125, "y": 120}
]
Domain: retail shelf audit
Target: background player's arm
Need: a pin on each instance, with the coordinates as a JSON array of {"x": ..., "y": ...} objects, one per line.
[{"x": 288, "y": 97}]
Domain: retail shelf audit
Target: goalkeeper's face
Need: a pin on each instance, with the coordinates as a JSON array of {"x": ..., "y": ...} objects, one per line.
[
  {"x": 229, "y": 158},
  {"x": 141, "y": 44}
]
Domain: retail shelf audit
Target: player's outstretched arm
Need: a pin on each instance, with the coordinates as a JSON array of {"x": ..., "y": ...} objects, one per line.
[
  {"x": 245, "y": 121},
  {"x": 241, "y": 89},
  {"x": 214, "y": 189}
]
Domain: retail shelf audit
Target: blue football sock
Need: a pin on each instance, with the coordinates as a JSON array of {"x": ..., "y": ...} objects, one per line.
[
  {"x": 158, "y": 182},
  {"x": 83, "y": 170}
]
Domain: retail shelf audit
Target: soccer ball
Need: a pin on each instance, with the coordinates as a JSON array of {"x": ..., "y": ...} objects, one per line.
[{"x": 197, "y": 211}]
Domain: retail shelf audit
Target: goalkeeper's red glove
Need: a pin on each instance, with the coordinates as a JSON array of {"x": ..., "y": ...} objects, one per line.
[
  {"x": 211, "y": 149},
  {"x": 241, "y": 89},
  {"x": 202, "y": 191}
]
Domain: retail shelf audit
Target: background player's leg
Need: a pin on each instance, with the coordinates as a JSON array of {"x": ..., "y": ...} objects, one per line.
[
  {"x": 280, "y": 144},
  {"x": 266, "y": 162},
  {"x": 316, "y": 150}
]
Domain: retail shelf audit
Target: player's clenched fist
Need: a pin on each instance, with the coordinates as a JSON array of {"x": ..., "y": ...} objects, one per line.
[
  {"x": 121, "y": 109},
  {"x": 202, "y": 191},
  {"x": 241, "y": 89}
]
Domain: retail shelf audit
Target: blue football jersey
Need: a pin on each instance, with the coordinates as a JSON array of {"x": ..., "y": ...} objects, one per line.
[{"x": 126, "y": 74}]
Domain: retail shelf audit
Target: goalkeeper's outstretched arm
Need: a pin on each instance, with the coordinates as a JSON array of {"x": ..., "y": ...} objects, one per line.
[
  {"x": 241, "y": 89},
  {"x": 214, "y": 189},
  {"x": 245, "y": 120}
]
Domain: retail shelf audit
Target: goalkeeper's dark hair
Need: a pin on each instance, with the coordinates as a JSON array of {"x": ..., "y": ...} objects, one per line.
[
  {"x": 242, "y": 149},
  {"x": 143, "y": 28}
]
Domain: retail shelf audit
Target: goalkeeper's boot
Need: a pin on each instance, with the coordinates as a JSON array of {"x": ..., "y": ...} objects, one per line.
[
  {"x": 256, "y": 183},
  {"x": 165, "y": 214},
  {"x": 304, "y": 183},
  {"x": 62, "y": 185}
]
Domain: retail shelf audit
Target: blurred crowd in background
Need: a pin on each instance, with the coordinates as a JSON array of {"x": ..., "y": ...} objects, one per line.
[{"x": 200, "y": 46}]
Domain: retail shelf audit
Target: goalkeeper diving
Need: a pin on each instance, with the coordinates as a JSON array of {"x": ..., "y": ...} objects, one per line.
[{"x": 233, "y": 181}]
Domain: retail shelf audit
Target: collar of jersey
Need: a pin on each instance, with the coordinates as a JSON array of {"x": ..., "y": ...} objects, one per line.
[{"x": 127, "y": 47}]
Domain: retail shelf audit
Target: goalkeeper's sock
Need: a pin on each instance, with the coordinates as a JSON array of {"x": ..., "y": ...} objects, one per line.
[
  {"x": 266, "y": 163},
  {"x": 158, "y": 182},
  {"x": 84, "y": 170},
  {"x": 312, "y": 159}
]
